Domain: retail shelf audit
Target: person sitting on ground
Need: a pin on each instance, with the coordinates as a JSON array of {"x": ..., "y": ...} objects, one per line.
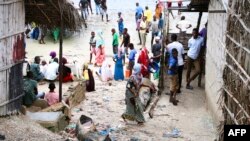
[
  {"x": 173, "y": 75},
  {"x": 35, "y": 69},
  {"x": 88, "y": 76},
  {"x": 43, "y": 67},
  {"x": 106, "y": 72},
  {"x": 31, "y": 95},
  {"x": 67, "y": 76},
  {"x": 52, "y": 97},
  {"x": 52, "y": 70},
  {"x": 53, "y": 56}
]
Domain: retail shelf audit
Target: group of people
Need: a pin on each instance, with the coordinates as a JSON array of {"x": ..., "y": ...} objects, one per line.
[
  {"x": 101, "y": 8},
  {"x": 175, "y": 62},
  {"x": 50, "y": 72}
]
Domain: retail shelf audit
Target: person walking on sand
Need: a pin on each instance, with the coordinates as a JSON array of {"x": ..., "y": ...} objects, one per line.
[
  {"x": 119, "y": 75},
  {"x": 104, "y": 9},
  {"x": 83, "y": 4},
  {"x": 148, "y": 13},
  {"x": 100, "y": 51},
  {"x": 120, "y": 23},
  {"x": 92, "y": 46},
  {"x": 143, "y": 59},
  {"x": 158, "y": 10},
  {"x": 126, "y": 40},
  {"x": 194, "y": 44},
  {"x": 155, "y": 29},
  {"x": 131, "y": 58},
  {"x": 138, "y": 23},
  {"x": 172, "y": 72},
  {"x": 134, "y": 108},
  {"x": 115, "y": 42},
  {"x": 98, "y": 6},
  {"x": 90, "y": 7},
  {"x": 138, "y": 11},
  {"x": 143, "y": 30}
]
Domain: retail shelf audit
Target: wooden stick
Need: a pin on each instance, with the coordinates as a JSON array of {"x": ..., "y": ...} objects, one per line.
[
  {"x": 235, "y": 61},
  {"x": 238, "y": 74},
  {"x": 231, "y": 115},
  {"x": 43, "y": 12},
  {"x": 151, "y": 111},
  {"x": 236, "y": 101},
  {"x": 238, "y": 44}
]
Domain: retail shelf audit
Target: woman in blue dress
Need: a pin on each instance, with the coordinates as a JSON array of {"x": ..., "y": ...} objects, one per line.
[{"x": 119, "y": 75}]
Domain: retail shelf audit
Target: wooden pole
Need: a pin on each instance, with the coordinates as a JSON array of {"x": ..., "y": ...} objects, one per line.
[
  {"x": 199, "y": 20},
  {"x": 60, "y": 55}
]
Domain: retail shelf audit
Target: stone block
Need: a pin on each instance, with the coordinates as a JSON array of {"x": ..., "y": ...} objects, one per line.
[
  {"x": 77, "y": 94},
  {"x": 54, "y": 121}
]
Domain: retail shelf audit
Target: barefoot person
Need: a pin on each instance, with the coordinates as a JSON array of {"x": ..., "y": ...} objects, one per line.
[
  {"x": 92, "y": 46},
  {"x": 134, "y": 109},
  {"x": 173, "y": 75},
  {"x": 104, "y": 9}
]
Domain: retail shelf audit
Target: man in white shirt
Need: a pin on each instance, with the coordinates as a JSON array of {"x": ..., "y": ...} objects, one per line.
[
  {"x": 183, "y": 25},
  {"x": 177, "y": 45},
  {"x": 194, "y": 45},
  {"x": 143, "y": 29},
  {"x": 52, "y": 70}
]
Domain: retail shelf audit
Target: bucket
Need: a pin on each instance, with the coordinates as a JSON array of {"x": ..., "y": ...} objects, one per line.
[{"x": 127, "y": 73}]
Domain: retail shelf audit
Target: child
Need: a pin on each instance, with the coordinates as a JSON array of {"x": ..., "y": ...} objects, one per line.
[
  {"x": 43, "y": 67},
  {"x": 173, "y": 75},
  {"x": 52, "y": 97},
  {"x": 131, "y": 58},
  {"x": 92, "y": 46}
]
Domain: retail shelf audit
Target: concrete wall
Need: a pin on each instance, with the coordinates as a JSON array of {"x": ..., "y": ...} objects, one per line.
[{"x": 215, "y": 57}]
